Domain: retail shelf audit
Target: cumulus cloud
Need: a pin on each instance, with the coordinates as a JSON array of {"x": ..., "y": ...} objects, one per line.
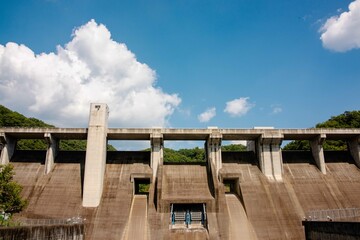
[
  {"x": 342, "y": 33},
  {"x": 59, "y": 86},
  {"x": 238, "y": 107},
  {"x": 207, "y": 115}
]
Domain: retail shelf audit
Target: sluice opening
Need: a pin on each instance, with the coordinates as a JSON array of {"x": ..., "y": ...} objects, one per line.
[
  {"x": 188, "y": 216},
  {"x": 141, "y": 186},
  {"x": 230, "y": 185}
]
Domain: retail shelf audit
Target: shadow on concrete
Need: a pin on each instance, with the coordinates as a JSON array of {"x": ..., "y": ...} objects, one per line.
[
  {"x": 128, "y": 157},
  {"x": 30, "y": 156},
  {"x": 338, "y": 156},
  {"x": 297, "y": 156},
  {"x": 245, "y": 157}
]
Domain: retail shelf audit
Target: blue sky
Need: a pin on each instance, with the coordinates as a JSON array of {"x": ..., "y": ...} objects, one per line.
[{"x": 247, "y": 63}]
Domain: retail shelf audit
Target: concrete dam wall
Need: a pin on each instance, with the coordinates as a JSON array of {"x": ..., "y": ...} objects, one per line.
[
  {"x": 265, "y": 209},
  {"x": 263, "y": 193}
]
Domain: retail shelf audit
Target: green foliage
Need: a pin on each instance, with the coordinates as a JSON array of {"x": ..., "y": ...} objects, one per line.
[
  {"x": 233, "y": 148},
  {"x": 184, "y": 155},
  {"x": 297, "y": 145},
  {"x": 9, "y": 118},
  {"x": 69, "y": 145},
  {"x": 10, "y": 199},
  {"x": 349, "y": 119},
  {"x": 144, "y": 187},
  {"x": 195, "y": 154}
]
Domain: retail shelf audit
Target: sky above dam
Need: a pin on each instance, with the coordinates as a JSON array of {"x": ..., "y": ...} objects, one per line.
[{"x": 182, "y": 64}]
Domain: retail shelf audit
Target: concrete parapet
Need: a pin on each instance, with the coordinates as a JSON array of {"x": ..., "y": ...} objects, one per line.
[
  {"x": 95, "y": 155},
  {"x": 269, "y": 155},
  {"x": 8, "y": 148},
  {"x": 318, "y": 151},
  {"x": 354, "y": 149},
  {"x": 53, "y": 147}
]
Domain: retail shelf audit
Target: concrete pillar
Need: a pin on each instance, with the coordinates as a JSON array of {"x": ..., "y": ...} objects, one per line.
[
  {"x": 52, "y": 150},
  {"x": 95, "y": 160},
  {"x": 318, "y": 152},
  {"x": 270, "y": 157},
  {"x": 157, "y": 152},
  {"x": 251, "y": 145},
  {"x": 354, "y": 149},
  {"x": 213, "y": 150},
  {"x": 8, "y": 148}
]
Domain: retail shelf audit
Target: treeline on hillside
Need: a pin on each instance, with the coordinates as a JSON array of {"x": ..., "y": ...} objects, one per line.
[
  {"x": 348, "y": 119},
  {"x": 195, "y": 154},
  {"x": 10, "y": 118}
]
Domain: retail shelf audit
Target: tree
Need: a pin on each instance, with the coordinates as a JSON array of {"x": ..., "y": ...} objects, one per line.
[
  {"x": 233, "y": 148},
  {"x": 184, "y": 155},
  {"x": 348, "y": 119},
  {"x": 10, "y": 118},
  {"x": 10, "y": 199}
]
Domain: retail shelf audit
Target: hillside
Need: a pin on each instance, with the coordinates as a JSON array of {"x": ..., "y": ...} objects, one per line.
[
  {"x": 9, "y": 118},
  {"x": 348, "y": 119},
  {"x": 195, "y": 154}
]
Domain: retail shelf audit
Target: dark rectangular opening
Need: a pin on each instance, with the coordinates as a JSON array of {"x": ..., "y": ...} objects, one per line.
[
  {"x": 142, "y": 185},
  {"x": 230, "y": 185}
]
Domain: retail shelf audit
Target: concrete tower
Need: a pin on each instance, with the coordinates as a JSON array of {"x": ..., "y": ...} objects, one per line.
[{"x": 95, "y": 155}]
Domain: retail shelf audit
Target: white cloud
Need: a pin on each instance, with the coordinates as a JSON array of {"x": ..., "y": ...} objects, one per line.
[
  {"x": 276, "y": 109},
  {"x": 242, "y": 142},
  {"x": 238, "y": 107},
  {"x": 207, "y": 115},
  {"x": 59, "y": 86},
  {"x": 342, "y": 33}
]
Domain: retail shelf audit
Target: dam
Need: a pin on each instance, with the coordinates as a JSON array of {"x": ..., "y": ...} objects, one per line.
[{"x": 261, "y": 193}]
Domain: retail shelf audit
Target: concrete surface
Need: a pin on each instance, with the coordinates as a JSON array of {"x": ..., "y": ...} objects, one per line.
[
  {"x": 274, "y": 209},
  {"x": 275, "y": 188},
  {"x": 240, "y": 227},
  {"x": 137, "y": 227},
  {"x": 95, "y": 155}
]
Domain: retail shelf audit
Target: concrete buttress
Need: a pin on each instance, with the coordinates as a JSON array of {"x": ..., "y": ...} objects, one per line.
[
  {"x": 213, "y": 150},
  {"x": 318, "y": 152},
  {"x": 52, "y": 150},
  {"x": 269, "y": 155},
  {"x": 355, "y": 150},
  {"x": 95, "y": 159},
  {"x": 9, "y": 145},
  {"x": 157, "y": 152}
]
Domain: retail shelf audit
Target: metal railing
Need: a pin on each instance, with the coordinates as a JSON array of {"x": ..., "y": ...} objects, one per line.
[
  {"x": 333, "y": 214},
  {"x": 42, "y": 222}
]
